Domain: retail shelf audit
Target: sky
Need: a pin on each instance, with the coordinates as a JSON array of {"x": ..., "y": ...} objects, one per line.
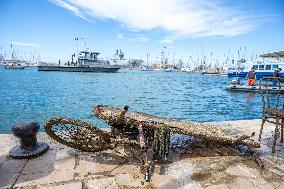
[{"x": 47, "y": 28}]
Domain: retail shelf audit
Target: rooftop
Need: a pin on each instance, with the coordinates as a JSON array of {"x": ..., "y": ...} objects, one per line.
[{"x": 276, "y": 54}]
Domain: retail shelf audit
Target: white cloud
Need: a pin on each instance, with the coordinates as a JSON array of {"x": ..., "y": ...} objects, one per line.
[
  {"x": 25, "y": 44},
  {"x": 167, "y": 41},
  {"x": 139, "y": 39},
  {"x": 182, "y": 18},
  {"x": 132, "y": 38},
  {"x": 75, "y": 10}
]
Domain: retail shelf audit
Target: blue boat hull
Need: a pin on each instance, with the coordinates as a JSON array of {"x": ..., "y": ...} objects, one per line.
[{"x": 258, "y": 74}]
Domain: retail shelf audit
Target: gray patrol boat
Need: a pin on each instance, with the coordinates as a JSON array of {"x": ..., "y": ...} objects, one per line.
[{"x": 86, "y": 62}]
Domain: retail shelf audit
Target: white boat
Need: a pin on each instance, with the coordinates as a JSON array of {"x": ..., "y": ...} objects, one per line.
[
  {"x": 15, "y": 64},
  {"x": 215, "y": 71},
  {"x": 119, "y": 59},
  {"x": 187, "y": 69},
  {"x": 171, "y": 69},
  {"x": 263, "y": 68},
  {"x": 145, "y": 68},
  {"x": 254, "y": 88}
]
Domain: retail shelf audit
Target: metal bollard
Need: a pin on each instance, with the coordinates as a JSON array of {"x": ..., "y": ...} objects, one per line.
[{"x": 29, "y": 148}]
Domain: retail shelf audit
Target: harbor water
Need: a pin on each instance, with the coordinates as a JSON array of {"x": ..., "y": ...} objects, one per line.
[{"x": 29, "y": 94}]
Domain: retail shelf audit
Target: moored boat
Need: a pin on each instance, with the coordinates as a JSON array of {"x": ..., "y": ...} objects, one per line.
[
  {"x": 108, "y": 69},
  {"x": 14, "y": 64},
  {"x": 263, "y": 68},
  {"x": 216, "y": 71},
  {"x": 187, "y": 69},
  {"x": 254, "y": 88},
  {"x": 86, "y": 62}
]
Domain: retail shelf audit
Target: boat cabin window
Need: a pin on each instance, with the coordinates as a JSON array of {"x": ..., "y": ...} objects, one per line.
[
  {"x": 255, "y": 67},
  {"x": 274, "y": 66},
  {"x": 261, "y": 67},
  {"x": 268, "y": 67}
]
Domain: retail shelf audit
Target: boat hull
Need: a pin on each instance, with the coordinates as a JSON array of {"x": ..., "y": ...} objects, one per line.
[
  {"x": 15, "y": 68},
  {"x": 215, "y": 74},
  {"x": 255, "y": 88},
  {"x": 258, "y": 74},
  {"x": 110, "y": 69}
]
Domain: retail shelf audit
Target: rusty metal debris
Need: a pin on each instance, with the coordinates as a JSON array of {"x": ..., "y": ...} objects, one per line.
[
  {"x": 272, "y": 112},
  {"x": 77, "y": 134},
  {"x": 161, "y": 142},
  {"x": 133, "y": 128},
  {"x": 146, "y": 168},
  {"x": 208, "y": 132},
  {"x": 256, "y": 158}
]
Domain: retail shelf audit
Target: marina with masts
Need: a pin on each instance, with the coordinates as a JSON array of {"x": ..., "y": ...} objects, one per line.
[
  {"x": 87, "y": 61},
  {"x": 16, "y": 59},
  {"x": 158, "y": 94}
]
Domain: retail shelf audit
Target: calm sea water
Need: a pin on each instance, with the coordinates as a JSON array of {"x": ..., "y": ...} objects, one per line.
[{"x": 29, "y": 94}]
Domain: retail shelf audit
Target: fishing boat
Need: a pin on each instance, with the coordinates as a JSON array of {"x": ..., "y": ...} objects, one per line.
[
  {"x": 86, "y": 62},
  {"x": 254, "y": 88},
  {"x": 145, "y": 68},
  {"x": 171, "y": 69},
  {"x": 263, "y": 68},
  {"x": 15, "y": 64},
  {"x": 216, "y": 71},
  {"x": 240, "y": 87},
  {"x": 187, "y": 69}
]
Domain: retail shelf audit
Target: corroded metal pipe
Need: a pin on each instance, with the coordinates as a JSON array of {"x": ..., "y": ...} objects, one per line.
[{"x": 204, "y": 131}]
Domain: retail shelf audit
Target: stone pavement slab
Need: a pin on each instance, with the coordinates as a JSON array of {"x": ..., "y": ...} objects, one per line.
[
  {"x": 92, "y": 164},
  {"x": 164, "y": 182},
  {"x": 52, "y": 160},
  {"x": 99, "y": 183},
  {"x": 243, "y": 171},
  {"x": 71, "y": 185},
  {"x": 10, "y": 170},
  {"x": 44, "y": 178},
  {"x": 8, "y": 179}
]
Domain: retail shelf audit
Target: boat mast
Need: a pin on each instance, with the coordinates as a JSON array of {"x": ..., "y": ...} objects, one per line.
[
  {"x": 148, "y": 58},
  {"x": 174, "y": 59},
  {"x": 1, "y": 55},
  {"x": 243, "y": 56},
  {"x": 210, "y": 59},
  {"x": 12, "y": 52},
  {"x": 157, "y": 58}
]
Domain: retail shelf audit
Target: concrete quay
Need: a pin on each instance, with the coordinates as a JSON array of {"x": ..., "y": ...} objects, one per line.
[{"x": 199, "y": 165}]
